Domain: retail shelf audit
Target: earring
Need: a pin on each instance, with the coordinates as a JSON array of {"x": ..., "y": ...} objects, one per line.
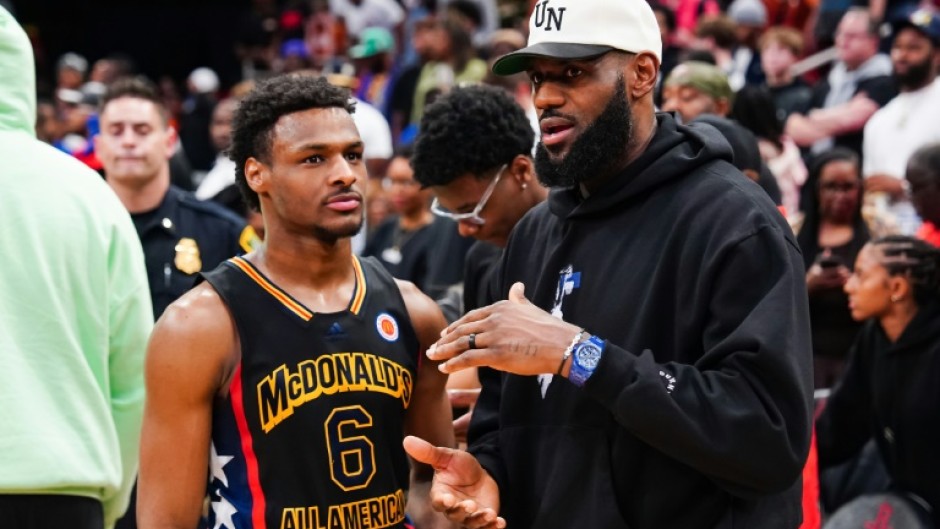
[
  {"x": 524, "y": 185},
  {"x": 895, "y": 298}
]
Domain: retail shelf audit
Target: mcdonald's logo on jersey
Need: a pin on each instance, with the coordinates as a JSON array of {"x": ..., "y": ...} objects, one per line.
[
  {"x": 387, "y": 327},
  {"x": 285, "y": 389}
]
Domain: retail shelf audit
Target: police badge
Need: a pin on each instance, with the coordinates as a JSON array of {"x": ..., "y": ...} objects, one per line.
[{"x": 187, "y": 258}]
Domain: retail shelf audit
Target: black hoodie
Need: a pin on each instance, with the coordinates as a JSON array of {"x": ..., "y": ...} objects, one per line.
[
  {"x": 699, "y": 413},
  {"x": 891, "y": 392}
]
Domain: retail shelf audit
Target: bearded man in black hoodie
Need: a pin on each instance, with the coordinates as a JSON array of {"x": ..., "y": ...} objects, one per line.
[{"x": 656, "y": 374}]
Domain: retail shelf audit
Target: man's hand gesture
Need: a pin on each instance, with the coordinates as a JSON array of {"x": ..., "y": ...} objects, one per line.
[{"x": 461, "y": 489}]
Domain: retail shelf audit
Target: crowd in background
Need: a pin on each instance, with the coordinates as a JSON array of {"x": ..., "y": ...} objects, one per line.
[{"x": 831, "y": 107}]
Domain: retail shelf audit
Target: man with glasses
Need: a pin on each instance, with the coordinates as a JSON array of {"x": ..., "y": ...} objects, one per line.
[
  {"x": 415, "y": 245},
  {"x": 858, "y": 84},
  {"x": 654, "y": 335},
  {"x": 474, "y": 153}
]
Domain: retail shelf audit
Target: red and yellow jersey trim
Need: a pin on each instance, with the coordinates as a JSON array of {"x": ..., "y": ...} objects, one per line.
[
  {"x": 359, "y": 295},
  {"x": 278, "y": 294}
]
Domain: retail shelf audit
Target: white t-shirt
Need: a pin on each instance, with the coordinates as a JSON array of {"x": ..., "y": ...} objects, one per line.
[
  {"x": 374, "y": 130},
  {"x": 906, "y": 123},
  {"x": 218, "y": 178},
  {"x": 377, "y": 143},
  {"x": 370, "y": 13}
]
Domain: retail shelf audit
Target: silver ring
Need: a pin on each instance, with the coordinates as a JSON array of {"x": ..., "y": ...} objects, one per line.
[{"x": 473, "y": 340}]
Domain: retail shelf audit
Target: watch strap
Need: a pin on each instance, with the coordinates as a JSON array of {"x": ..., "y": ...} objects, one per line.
[{"x": 579, "y": 373}]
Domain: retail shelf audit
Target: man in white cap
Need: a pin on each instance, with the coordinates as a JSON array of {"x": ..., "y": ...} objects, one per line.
[{"x": 654, "y": 346}]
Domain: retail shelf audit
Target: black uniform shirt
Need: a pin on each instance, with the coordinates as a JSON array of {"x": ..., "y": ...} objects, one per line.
[{"x": 184, "y": 236}]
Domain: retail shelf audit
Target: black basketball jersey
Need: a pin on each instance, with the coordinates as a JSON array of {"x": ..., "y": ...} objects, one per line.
[{"x": 309, "y": 434}]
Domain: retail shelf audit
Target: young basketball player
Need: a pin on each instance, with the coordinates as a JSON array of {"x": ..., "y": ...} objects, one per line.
[{"x": 289, "y": 378}]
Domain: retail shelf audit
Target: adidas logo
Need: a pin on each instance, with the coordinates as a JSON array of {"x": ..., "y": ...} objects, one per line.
[{"x": 335, "y": 331}]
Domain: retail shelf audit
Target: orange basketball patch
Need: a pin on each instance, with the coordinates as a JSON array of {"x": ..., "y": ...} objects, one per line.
[{"x": 387, "y": 327}]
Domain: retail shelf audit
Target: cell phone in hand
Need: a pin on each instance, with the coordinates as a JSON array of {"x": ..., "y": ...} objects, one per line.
[{"x": 829, "y": 261}]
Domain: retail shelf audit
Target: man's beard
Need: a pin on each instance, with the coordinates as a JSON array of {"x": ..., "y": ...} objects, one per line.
[
  {"x": 598, "y": 150},
  {"x": 917, "y": 75}
]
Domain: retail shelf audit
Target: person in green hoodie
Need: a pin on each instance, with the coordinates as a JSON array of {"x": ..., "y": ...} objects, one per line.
[{"x": 75, "y": 316}]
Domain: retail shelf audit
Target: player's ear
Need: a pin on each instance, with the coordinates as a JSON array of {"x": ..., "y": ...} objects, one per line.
[{"x": 256, "y": 175}]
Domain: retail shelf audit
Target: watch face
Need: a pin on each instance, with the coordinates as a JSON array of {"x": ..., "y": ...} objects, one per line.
[{"x": 588, "y": 355}]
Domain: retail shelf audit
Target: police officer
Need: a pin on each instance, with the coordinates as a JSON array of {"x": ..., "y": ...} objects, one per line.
[{"x": 181, "y": 235}]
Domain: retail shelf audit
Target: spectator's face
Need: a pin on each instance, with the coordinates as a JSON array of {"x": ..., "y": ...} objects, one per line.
[
  {"x": 854, "y": 43},
  {"x": 689, "y": 102},
  {"x": 135, "y": 144},
  {"x": 776, "y": 59},
  {"x": 869, "y": 286},
  {"x": 913, "y": 57},
  {"x": 220, "y": 128},
  {"x": 320, "y": 37},
  {"x": 424, "y": 40},
  {"x": 70, "y": 78},
  {"x": 441, "y": 47},
  {"x": 839, "y": 186},
  {"x": 74, "y": 117},
  {"x": 104, "y": 71},
  {"x": 500, "y": 213},
  {"x": 47, "y": 122},
  {"x": 377, "y": 206},
  {"x": 404, "y": 193},
  {"x": 170, "y": 95},
  {"x": 313, "y": 179},
  {"x": 925, "y": 191}
]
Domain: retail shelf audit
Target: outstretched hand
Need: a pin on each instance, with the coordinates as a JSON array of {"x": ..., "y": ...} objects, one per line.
[
  {"x": 461, "y": 489},
  {"x": 514, "y": 336}
]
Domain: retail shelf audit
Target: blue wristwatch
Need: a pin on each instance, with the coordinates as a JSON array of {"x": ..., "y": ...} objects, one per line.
[{"x": 584, "y": 359}]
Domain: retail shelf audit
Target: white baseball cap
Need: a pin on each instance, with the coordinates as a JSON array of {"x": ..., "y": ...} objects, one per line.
[
  {"x": 204, "y": 80},
  {"x": 580, "y": 29}
]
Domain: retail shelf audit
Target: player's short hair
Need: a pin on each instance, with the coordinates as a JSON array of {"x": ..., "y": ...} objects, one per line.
[{"x": 257, "y": 113}]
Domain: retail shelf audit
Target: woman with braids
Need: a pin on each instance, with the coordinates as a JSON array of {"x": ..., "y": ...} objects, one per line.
[{"x": 890, "y": 391}]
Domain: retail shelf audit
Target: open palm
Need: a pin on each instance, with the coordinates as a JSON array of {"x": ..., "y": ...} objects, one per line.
[{"x": 461, "y": 488}]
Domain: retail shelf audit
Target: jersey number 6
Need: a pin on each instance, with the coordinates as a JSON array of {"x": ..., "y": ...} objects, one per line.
[{"x": 352, "y": 457}]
